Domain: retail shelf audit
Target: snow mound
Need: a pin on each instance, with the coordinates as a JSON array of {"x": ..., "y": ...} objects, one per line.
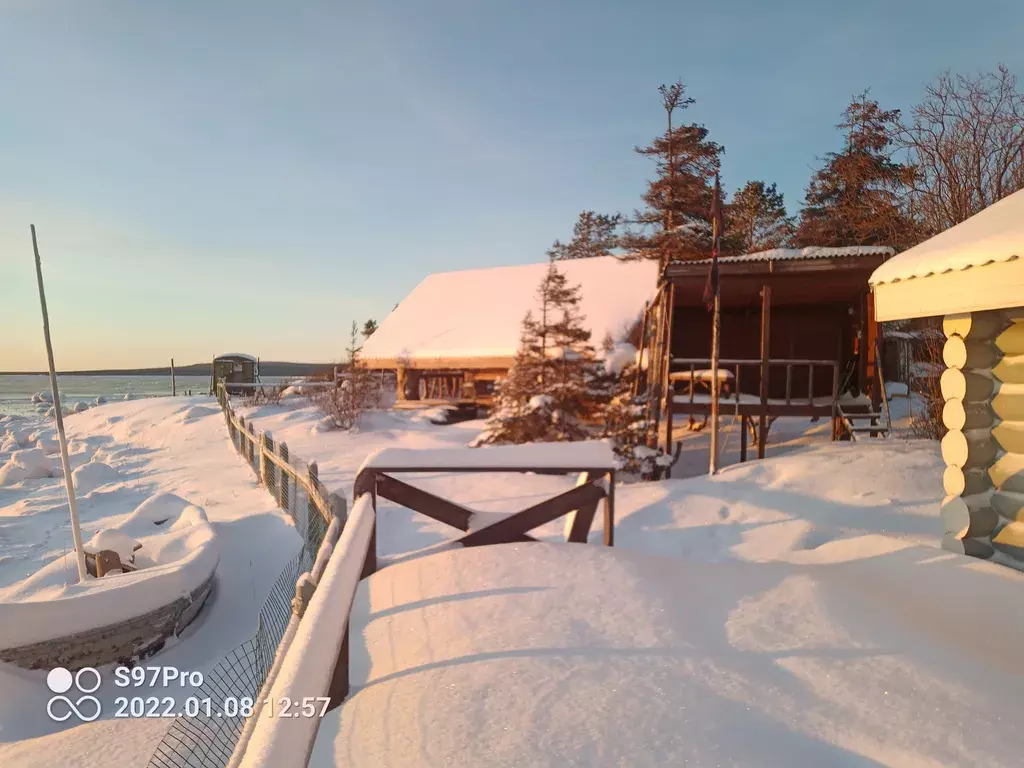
[
  {"x": 156, "y": 511},
  {"x": 80, "y": 406},
  {"x": 196, "y": 412},
  {"x": 27, "y": 464},
  {"x": 173, "y": 562},
  {"x": 856, "y": 664},
  {"x": 91, "y": 476}
]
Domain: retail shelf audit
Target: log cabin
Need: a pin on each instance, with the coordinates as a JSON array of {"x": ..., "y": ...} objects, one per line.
[
  {"x": 972, "y": 276},
  {"x": 458, "y": 332}
]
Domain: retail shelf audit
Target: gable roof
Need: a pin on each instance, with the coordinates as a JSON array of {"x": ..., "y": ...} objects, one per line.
[
  {"x": 801, "y": 254},
  {"x": 478, "y": 313}
]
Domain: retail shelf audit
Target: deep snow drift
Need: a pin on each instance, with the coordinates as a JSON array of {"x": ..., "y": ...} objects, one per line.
[{"x": 787, "y": 586}]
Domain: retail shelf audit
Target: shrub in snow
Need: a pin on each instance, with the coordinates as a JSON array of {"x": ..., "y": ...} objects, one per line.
[
  {"x": 99, "y": 400},
  {"x": 546, "y": 395},
  {"x": 358, "y": 391}
]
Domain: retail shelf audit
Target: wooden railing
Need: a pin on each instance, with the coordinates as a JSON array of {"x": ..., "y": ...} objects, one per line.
[{"x": 277, "y": 470}]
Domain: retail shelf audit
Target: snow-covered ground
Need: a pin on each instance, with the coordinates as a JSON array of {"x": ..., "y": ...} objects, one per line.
[{"x": 793, "y": 587}]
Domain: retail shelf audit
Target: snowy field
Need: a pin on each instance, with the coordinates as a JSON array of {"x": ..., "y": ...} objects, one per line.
[{"x": 797, "y": 607}]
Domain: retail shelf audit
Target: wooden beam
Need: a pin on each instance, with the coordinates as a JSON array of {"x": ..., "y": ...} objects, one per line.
[
  {"x": 766, "y": 319},
  {"x": 509, "y": 528},
  {"x": 669, "y": 388},
  {"x": 609, "y": 512},
  {"x": 425, "y": 503},
  {"x": 743, "y": 439}
]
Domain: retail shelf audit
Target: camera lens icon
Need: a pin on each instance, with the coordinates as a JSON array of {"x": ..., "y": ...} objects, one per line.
[{"x": 60, "y": 680}]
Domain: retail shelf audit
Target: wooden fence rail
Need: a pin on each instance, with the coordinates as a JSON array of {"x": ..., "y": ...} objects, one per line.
[{"x": 277, "y": 470}]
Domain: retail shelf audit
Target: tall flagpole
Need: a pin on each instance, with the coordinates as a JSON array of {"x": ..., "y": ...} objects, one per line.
[
  {"x": 69, "y": 484},
  {"x": 716, "y": 325}
]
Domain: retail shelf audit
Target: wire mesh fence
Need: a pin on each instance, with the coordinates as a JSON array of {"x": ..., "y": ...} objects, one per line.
[{"x": 207, "y": 739}]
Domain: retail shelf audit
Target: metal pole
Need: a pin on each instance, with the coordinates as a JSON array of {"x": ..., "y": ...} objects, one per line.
[
  {"x": 174, "y": 387},
  {"x": 69, "y": 484}
]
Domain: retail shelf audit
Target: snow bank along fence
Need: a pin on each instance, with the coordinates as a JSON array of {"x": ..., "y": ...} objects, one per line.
[
  {"x": 315, "y": 667},
  {"x": 247, "y": 671}
]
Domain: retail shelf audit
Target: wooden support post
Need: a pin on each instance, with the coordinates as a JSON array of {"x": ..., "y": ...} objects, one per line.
[
  {"x": 743, "y": 438},
  {"x": 640, "y": 355},
  {"x": 266, "y": 466},
  {"x": 400, "y": 374},
  {"x": 669, "y": 388},
  {"x": 283, "y": 499},
  {"x": 174, "y": 386},
  {"x": 252, "y": 447},
  {"x": 313, "y": 472},
  {"x": 370, "y": 564},
  {"x": 766, "y": 318},
  {"x": 609, "y": 512}
]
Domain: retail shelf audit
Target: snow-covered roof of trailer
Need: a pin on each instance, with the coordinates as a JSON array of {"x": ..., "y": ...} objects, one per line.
[
  {"x": 478, "y": 313},
  {"x": 233, "y": 355},
  {"x": 994, "y": 235},
  {"x": 794, "y": 254}
]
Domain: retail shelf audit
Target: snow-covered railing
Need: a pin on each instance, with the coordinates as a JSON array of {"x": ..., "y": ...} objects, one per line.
[
  {"x": 280, "y": 472},
  {"x": 310, "y": 673}
]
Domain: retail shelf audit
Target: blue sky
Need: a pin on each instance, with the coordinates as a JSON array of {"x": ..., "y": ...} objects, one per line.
[{"x": 255, "y": 175}]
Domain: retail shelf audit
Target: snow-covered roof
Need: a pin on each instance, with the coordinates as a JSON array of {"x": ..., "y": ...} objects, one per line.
[
  {"x": 994, "y": 235},
  {"x": 239, "y": 355},
  {"x": 478, "y": 313},
  {"x": 813, "y": 252}
]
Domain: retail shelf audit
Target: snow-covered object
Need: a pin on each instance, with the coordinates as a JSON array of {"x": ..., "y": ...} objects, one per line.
[
  {"x": 751, "y": 664},
  {"x": 537, "y": 402},
  {"x": 80, "y": 406},
  {"x": 114, "y": 540},
  {"x": 91, "y": 476},
  {"x": 241, "y": 355},
  {"x": 804, "y": 254},
  {"x": 618, "y": 357},
  {"x": 50, "y": 604},
  {"x": 129, "y": 396},
  {"x": 479, "y": 312},
  {"x": 994, "y": 235},
  {"x": 42, "y": 397},
  {"x": 589, "y": 454},
  {"x": 27, "y": 464},
  {"x": 280, "y": 742}
]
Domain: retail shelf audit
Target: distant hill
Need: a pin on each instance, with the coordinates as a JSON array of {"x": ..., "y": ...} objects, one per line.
[{"x": 267, "y": 368}]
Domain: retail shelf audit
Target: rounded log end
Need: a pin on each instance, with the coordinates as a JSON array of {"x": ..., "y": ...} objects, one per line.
[{"x": 954, "y": 352}]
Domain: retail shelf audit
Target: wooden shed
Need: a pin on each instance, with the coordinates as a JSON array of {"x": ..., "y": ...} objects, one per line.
[
  {"x": 972, "y": 276},
  {"x": 458, "y": 332},
  {"x": 800, "y": 321},
  {"x": 236, "y": 370}
]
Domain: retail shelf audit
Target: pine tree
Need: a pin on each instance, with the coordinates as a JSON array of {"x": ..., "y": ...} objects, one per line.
[
  {"x": 546, "y": 395},
  {"x": 756, "y": 219},
  {"x": 593, "y": 235},
  {"x": 369, "y": 327},
  {"x": 675, "y": 224},
  {"x": 856, "y": 198}
]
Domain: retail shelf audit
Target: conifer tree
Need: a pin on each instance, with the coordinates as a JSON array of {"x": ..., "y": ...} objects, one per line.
[
  {"x": 856, "y": 198},
  {"x": 369, "y": 328},
  {"x": 594, "y": 234},
  {"x": 546, "y": 395},
  {"x": 756, "y": 219},
  {"x": 675, "y": 224}
]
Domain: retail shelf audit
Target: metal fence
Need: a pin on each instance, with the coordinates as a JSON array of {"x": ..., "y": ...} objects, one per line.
[{"x": 207, "y": 741}]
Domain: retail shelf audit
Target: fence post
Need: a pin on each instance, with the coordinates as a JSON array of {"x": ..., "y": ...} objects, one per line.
[
  {"x": 241, "y": 436},
  {"x": 252, "y": 447},
  {"x": 283, "y": 453},
  {"x": 312, "y": 509},
  {"x": 266, "y": 447}
]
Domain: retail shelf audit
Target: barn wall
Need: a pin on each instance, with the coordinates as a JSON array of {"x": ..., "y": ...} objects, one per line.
[{"x": 812, "y": 332}]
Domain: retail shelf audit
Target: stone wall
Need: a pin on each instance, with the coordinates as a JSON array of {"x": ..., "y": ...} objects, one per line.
[
  {"x": 117, "y": 643},
  {"x": 983, "y": 390}
]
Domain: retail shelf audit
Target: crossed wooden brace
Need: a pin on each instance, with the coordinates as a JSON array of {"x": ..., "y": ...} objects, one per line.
[{"x": 581, "y": 501}]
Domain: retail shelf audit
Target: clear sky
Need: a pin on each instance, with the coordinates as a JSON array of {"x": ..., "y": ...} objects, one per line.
[{"x": 252, "y": 175}]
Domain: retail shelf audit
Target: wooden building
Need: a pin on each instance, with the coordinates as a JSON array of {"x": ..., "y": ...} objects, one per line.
[
  {"x": 972, "y": 276},
  {"x": 458, "y": 332},
  {"x": 234, "y": 369},
  {"x": 800, "y": 322}
]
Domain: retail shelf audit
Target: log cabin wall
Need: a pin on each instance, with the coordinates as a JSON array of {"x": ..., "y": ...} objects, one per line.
[{"x": 983, "y": 393}]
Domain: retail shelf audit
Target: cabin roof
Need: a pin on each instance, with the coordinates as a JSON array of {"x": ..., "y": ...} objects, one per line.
[
  {"x": 797, "y": 254},
  {"x": 477, "y": 314},
  {"x": 976, "y": 265}
]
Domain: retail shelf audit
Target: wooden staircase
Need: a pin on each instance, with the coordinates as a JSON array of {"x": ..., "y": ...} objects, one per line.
[{"x": 860, "y": 420}]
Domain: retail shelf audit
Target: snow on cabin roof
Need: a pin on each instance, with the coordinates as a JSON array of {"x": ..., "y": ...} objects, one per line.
[
  {"x": 813, "y": 252},
  {"x": 478, "y": 312},
  {"x": 994, "y": 235},
  {"x": 236, "y": 354}
]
